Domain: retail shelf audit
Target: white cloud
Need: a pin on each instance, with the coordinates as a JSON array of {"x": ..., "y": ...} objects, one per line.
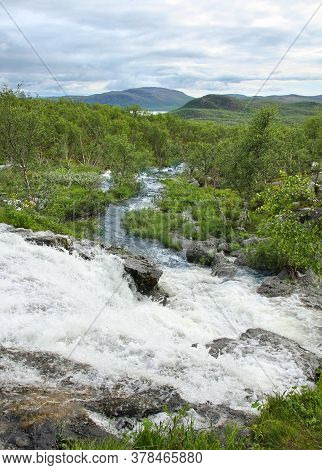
[{"x": 198, "y": 47}]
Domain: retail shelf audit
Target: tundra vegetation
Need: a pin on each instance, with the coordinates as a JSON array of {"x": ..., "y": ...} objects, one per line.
[{"x": 257, "y": 178}]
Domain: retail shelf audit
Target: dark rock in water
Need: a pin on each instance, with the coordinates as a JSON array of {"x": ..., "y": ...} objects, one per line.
[
  {"x": 144, "y": 272},
  {"x": 138, "y": 405},
  {"x": 307, "y": 287},
  {"x": 284, "y": 275},
  {"x": 219, "y": 345},
  {"x": 222, "y": 267},
  {"x": 219, "y": 417},
  {"x": 66, "y": 403},
  {"x": 36, "y": 418},
  {"x": 275, "y": 287},
  {"x": 49, "y": 239},
  {"x": 49, "y": 365},
  {"x": 309, "y": 279},
  {"x": 271, "y": 343},
  {"x": 202, "y": 252},
  {"x": 43, "y": 238}
]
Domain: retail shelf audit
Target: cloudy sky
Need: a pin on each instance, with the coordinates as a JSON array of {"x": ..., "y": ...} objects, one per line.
[{"x": 197, "y": 46}]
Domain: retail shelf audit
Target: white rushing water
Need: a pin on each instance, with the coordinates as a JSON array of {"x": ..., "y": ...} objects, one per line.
[{"x": 49, "y": 298}]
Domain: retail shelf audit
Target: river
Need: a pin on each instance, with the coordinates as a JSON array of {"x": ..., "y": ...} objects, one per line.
[{"x": 49, "y": 298}]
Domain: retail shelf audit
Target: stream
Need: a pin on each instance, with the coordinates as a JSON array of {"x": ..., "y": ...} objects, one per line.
[{"x": 49, "y": 298}]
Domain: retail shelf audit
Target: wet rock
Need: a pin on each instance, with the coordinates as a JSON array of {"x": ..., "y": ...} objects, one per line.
[
  {"x": 219, "y": 417},
  {"x": 274, "y": 287},
  {"x": 140, "y": 404},
  {"x": 284, "y": 275},
  {"x": 145, "y": 273},
  {"x": 222, "y": 267},
  {"x": 43, "y": 238},
  {"x": 64, "y": 401},
  {"x": 218, "y": 346},
  {"x": 270, "y": 343},
  {"x": 36, "y": 418},
  {"x": 202, "y": 252}
]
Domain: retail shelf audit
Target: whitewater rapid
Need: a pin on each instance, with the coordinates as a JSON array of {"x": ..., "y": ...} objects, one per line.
[{"x": 49, "y": 298}]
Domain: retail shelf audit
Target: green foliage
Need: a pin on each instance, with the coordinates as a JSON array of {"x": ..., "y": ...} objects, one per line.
[
  {"x": 265, "y": 255},
  {"x": 75, "y": 202},
  {"x": 30, "y": 219},
  {"x": 153, "y": 224},
  {"x": 186, "y": 211},
  {"x": 290, "y": 420},
  {"x": 231, "y": 111},
  {"x": 295, "y": 236}
]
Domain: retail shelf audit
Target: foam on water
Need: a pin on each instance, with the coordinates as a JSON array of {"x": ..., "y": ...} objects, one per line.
[{"x": 49, "y": 298}]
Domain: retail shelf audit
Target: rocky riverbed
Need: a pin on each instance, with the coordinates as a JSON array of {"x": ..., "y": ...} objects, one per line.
[
  {"x": 58, "y": 383},
  {"x": 95, "y": 337}
]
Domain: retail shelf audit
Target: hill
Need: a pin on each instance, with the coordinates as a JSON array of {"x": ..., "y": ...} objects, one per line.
[
  {"x": 281, "y": 98},
  {"x": 149, "y": 98},
  {"x": 233, "y": 109}
]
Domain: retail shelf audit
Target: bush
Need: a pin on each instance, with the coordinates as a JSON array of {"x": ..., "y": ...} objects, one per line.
[
  {"x": 30, "y": 219},
  {"x": 296, "y": 237},
  {"x": 74, "y": 202},
  {"x": 265, "y": 255}
]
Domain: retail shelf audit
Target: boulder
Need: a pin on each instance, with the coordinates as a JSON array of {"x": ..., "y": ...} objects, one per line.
[
  {"x": 70, "y": 401},
  {"x": 222, "y": 267},
  {"x": 271, "y": 343},
  {"x": 223, "y": 246},
  {"x": 43, "y": 238},
  {"x": 309, "y": 279},
  {"x": 144, "y": 273},
  {"x": 218, "y": 345},
  {"x": 201, "y": 252},
  {"x": 250, "y": 241},
  {"x": 273, "y": 286}
]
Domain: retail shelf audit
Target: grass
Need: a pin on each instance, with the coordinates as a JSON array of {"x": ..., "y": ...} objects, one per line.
[
  {"x": 65, "y": 200},
  {"x": 290, "y": 421},
  {"x": 286, "y": 421},
  {"x": 187, "y": 211}
]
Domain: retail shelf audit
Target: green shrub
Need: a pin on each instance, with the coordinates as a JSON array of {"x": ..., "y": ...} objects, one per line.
[
  {"x": 265, "y": 255},
  {"x": 74, "y": 202},
  {"x": 30, "y": 219},
  {"x": 297, "y": 237}
]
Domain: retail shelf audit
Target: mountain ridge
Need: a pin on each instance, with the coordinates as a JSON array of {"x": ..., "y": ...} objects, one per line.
[{"x": 149, "y": 98}]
